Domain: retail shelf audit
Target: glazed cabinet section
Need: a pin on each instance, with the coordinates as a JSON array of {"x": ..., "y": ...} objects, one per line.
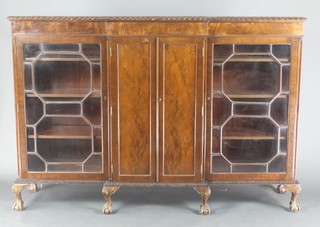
[
  {"x": 62, "y": 106},
  {"x": 248, "y": 105},
  {"x": 156, "y": 102}
]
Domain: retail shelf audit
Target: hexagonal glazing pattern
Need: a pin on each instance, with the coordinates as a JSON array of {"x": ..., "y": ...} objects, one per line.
[
  {"x": 62, "y": 84},
  {"x": 250, "y": 98}
]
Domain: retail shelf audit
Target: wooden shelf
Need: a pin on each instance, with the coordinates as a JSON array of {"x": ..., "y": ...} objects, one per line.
[
  {"x": 251, "y": 59},
  {"x": 65, "y": 93},
  {"x": 245, "y": 134},
  {"x": 249, "y": 96},
  {"x": 62, "y": 59},
  {"x": 66, "y": 132}
]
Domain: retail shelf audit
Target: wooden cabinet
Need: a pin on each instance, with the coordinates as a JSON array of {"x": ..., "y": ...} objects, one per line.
[{"x": 156, "y": 102}]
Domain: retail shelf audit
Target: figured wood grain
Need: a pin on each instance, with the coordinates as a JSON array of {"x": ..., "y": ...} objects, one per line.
[
  {"x": 179, "y": 108},
  {"x": 135, "y": 99},
  {"x": 159, "y": 25},
  {"x": 180, "y": 75}
]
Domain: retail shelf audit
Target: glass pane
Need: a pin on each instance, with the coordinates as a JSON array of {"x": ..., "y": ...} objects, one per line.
[
  {"x": 28, "y": 77},
  {"x": 31, "y": 51},
  {"x": 281, "y": 52},
  {"x": 221, "y": 109},
  {"x": 279, "y": 110},
  {"x": 35, "y": 163},
  {"x": 216, "y": 141},
  {"x": 283, "y": 140},
  {"x": 248, "y": 169},
  {"x": 34, "y": 110},
  {"x": 278, "y": 164},
  {"x": 97, "y": 140},
  {"x": 251, "y": 76},
  {"x": 250, "y": 109},
  {"x": 92, "y": 109},
  {"x": 61, "y": 47},
  {"x": 30, "y": 139},
  {"x": 61, "y": 167},
  {"x": 62, "y": 107},
  {"x": 285, "y": 78},
  {"x": 93, "y": 164},
  {"x": 249, "y": 151},
  {"x": 62, "y": 78},
  {"x": 64, "y": 127},
  {"x": 91, "y": 51},
  {"x": 220, "y": 165},
  {"x": 250, "y": 98},
  {"x": 252, "y": 48},
  {"x": 222, "y": 52},
  {"x": 217, "y": 79},
  {"x": 250, "y": 128},
  {"x": 96, "y": 78},
  {"x": 64, "y": 150}
]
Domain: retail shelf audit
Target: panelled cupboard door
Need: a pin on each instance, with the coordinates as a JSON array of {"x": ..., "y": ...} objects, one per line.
[
  {"x": 181, "y": 68},
  {"x": 133, "y": 105},
  {"x": 59, "y": 96},
  {"x": 252, "y": 86}
]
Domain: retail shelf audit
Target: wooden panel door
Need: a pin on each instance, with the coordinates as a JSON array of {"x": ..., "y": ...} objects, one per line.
[
  {"x": 181, "y": 78},
  {"x": 133, "y": 92}
]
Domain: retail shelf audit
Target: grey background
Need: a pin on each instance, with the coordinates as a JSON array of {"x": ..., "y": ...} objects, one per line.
[{"x": 241, "y": 205}]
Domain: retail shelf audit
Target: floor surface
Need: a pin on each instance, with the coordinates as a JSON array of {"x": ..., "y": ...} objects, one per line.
[{"x": 231, "y": 205}]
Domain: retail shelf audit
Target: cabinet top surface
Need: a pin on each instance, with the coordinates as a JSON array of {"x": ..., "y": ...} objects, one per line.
[{"x": 157, "y": 19}]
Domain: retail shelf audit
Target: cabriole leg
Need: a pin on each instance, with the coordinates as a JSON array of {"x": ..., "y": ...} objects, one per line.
[
  {"x": 107, "y": 192},
  {"x": 17, "y": 189},
  {"x": 205, "y": 193},
  {"x": 295, "y": 189}
]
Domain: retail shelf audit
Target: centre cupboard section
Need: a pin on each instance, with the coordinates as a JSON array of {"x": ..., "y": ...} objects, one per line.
[{"x": 156, "y": 92}]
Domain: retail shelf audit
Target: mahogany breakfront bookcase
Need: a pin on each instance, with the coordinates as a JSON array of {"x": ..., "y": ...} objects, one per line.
[{"x": 156, "y": 101}]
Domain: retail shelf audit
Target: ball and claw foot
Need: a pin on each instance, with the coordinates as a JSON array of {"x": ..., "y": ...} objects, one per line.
[
  {"x": 281, "y": 189},
  {"x": 17, "y": 190},
  {"x": 205, "y": 192},
  {"x": 18, "y": 205},
  {"x": 294, "y": 207},
  {"x": 204, "y": 209},
  {"x": 295, "y": 190},
  {"x": 107, "y": 209},
  {"x": 107, "y": 192}
]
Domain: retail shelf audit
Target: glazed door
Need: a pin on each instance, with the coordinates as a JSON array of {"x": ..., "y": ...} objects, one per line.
[
  {"x": 181, "y": 73},
  {"x": 60, "y": 108},
  {"x": 133, "y": 109},
  {"x": 250, "y": 88}
]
